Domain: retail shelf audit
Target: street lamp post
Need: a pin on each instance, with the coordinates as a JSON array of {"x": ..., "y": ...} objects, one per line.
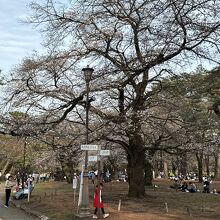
[
  {"x": 24, "y": 160},
  {"x": 84, "y": 210}
]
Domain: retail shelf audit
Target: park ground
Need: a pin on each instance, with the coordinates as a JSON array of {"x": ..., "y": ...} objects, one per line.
[{"x": 56, "y": 200}]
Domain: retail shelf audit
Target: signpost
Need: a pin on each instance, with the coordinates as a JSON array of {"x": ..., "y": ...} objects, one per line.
[
  {"x": 96, "y": 158},
  {"x": 74, "y": 189},
  {"x": 74, "y": 183},
  {"x": 89, "y": 147},
  {"x": 104, "y": 152},
  {"x": 93, "y": 158}
]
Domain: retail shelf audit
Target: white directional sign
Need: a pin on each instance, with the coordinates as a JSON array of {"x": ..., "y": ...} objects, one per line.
[
  {"x": 89, "y": 147},
  {"x": 92, "y": 158},
  {"x": 104, "y": 152},
  {"x": 74, "y": 183}
]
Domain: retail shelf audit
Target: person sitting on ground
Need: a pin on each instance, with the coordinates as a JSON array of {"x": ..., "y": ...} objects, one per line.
[
  {"x": 192, "y": 187},
  {"x": 206, "y": 186},
  {"x": 215, "y": 191},
  {"x": 184, "y": 187},
  {"x": 176, "y": 185}
]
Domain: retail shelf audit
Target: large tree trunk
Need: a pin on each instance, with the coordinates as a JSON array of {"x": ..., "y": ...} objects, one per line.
[
  {"x": 148, "y": 171},
  {"x": 165, "y": 169},
  {"x": 207, "y": 165},
  {"x": 200, "y": 166},
  {"x": 174, "y": 167},
  {"x": 177, "y": 164},
  {"x": 136, "y": 159},
  {"x": 217, "y": 167},
  {"x": 156, "y": 167},
  {"x": 183, "y": 163},
  {"x": 5, "y": 167},
  {"x": 161, "y": 162},
  {"x": 148, "y": 168},
  {"x": 2, "y": 162},
  {"x": 68, "y": 169}
]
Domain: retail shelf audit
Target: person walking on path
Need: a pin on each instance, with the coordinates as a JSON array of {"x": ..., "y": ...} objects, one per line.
[
  {"x": 8, "y": 186},
  {"x": 97, "y": 194}
]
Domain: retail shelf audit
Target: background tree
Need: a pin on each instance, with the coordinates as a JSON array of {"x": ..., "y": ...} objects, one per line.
[{"x": 130, "y": 45}]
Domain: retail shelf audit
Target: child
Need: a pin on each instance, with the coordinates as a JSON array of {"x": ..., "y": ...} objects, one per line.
[{"x": 95, "y": 202}]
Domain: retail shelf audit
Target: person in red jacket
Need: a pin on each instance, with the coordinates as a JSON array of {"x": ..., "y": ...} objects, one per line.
[{"x": 95, "y": 202}]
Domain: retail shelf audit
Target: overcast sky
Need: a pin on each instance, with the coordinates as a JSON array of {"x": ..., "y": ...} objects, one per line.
[{"x": 17, "y": 39}]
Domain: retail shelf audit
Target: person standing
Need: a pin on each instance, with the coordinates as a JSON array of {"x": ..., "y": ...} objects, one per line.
[
  {"x": 206, "y": 186},
  {"x": 97, "y": 195},
  {"x": 93, "y": 178},
  {"x": 8, "y": 186}
]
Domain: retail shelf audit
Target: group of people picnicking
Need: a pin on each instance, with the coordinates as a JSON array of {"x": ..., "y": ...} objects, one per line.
[
  {"x": 184, "y": 187},
  {"x": 191, "y": 186}
]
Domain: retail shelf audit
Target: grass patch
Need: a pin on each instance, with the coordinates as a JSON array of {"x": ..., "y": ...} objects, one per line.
[{"x": 55, "y": 199}]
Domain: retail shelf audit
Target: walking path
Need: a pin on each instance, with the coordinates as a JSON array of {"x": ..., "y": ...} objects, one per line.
[{"x": 11, "y": 213}]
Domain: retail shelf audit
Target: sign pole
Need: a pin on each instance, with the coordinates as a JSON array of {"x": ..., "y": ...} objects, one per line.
[
  {"x": 74, "y": 190},
  {"x": 89, "y": 147},
  {"x": 29, "y": 189}
]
